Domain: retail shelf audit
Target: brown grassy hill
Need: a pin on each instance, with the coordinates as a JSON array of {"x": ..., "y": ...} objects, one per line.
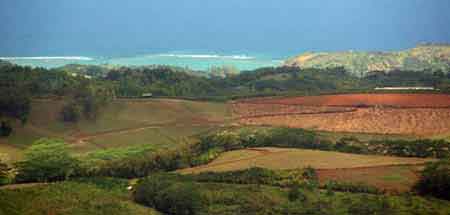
[{"x": 422, "y": 57}]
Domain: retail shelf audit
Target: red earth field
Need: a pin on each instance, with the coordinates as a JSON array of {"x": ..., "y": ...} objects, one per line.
[
  {"x": 356, "y": 100},
  {"x": 411, "y": 114}
]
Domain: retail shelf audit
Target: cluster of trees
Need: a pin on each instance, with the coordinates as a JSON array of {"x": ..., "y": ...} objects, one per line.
[
  {"x": 168, "y": 194},
  {"x": 226, "y": 83},
  {"x": 196, "y": 195},
  {"x": 435, "y": 180},
  {"x": 19, "y": 85},
  {"x": 47, "y": 160},
  {"x": 299, "y": 138},
  {"x": 160, "y": 81}
]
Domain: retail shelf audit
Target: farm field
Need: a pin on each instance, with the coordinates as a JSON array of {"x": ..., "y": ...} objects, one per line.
[
  {"x": 123, "y": 123},
  {"x": 390, "y": 178},
  {"x": 285, "y": 158},
  {"x": 354, "y": 100},
  {"x": 394, "y": 174},
  {"x": 420, "y": 115}
]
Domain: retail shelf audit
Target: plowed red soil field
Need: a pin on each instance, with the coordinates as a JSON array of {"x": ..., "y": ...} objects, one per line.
[
  {"x": 411, "y": 114},
  {"x": 355, "y": 100}
]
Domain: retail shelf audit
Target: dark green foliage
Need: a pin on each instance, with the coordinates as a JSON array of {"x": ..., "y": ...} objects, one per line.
[
  {"x": 295, "y": 193},
  {"x": 5, "y": 129},
  {"x": 160, "y": 81},
  {"x": 176, "y": 194},
  {"x": 147, "y": 189},
  {"x": 163, "y": 192},
  {"x": 254, "y": 175},
  {"x": 45, "y": 161},
  {"x": 435, "y": 180},
  {"x": 179, "y": 199},
  {"x": 14, "y": 103},
  {"x": 304, "y": 139},
  {"x": 18, "y": 85},
  {"x": 71, "y": 112},
  {"x": 412, "y": 148},
  {"x": 83, "y": 196},
  {"x": 352, "y": 187}
]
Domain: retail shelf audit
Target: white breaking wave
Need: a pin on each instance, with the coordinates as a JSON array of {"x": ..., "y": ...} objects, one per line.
[
  {"x": 206, "y": 56},
  {"x": 49, "y": 58}
]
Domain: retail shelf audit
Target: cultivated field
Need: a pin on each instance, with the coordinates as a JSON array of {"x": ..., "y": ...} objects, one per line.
[
  {"x": 355, "y": 100},
  {"x": 394, "y": 174},
  {"x": 283, "y": 158},
  {"x": 390, "y": 178},
  {"x": 424, "y": 115}
]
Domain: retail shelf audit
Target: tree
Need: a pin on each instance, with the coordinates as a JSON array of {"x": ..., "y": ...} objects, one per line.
[
  {"x": 435, "y": 180},
  {"x": 179, "y": 199},
  {"x": 46, "y": 160},
  {"x": 71, "y": 112},
  {"x": 148, "y": 188},
  {"x": 295, "y": 193},
  {"x": 5, "y": 129},
  {"x": 163, "y": 192}
]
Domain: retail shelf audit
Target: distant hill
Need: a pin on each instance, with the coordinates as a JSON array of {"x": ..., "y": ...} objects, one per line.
[{"x": 422, "y": 57}]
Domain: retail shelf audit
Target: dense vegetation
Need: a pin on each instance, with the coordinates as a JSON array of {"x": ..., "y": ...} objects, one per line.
[
  {"x": 435, "y": 180},
  {"x": 18, "y": 85},
  {"x": 253, "y": 191},
  {"x": 81, "y": 196},
  {"x": 223, "y": 198},
  {"x": 86, "y": 94},
  {"x": 233, "y": 139},
  {"x": 45, "y": 161}
]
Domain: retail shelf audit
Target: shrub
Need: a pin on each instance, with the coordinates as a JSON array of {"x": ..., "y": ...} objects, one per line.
[
  {"x": 46, "y": 160},
  {"x": 179, "y": 199},
  {"x": 295, "y": 193},
  {"x": 435, "y": 180},
  {"x": 168, "y": 194},
  {"x": 5, "y": 129},
  {"x": 71, "y": 112}
]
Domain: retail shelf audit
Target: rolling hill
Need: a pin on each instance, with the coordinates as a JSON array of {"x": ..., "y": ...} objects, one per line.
[{"x": 422, "y": 57}]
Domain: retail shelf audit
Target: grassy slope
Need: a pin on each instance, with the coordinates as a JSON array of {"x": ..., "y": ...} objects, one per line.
[
  {"x": 418, "y": 58},
  {"x": 174, "y": 120},
  {"x": 108, "y": 196},
  {"x": 105, "y": 196},
  {"x": 254, "y": 199}
]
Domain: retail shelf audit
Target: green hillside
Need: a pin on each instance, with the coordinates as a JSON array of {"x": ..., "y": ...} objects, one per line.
[{"x": 422, "y": 57}]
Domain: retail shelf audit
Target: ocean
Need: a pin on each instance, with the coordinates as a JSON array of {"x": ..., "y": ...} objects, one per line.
[{"x": 192, "y": 60}]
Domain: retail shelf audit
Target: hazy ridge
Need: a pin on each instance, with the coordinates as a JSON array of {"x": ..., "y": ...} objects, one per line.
[{"x": 422, "y": 57}]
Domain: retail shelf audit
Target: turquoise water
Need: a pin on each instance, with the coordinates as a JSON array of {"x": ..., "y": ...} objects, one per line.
[{"x": 195, "y": 61}]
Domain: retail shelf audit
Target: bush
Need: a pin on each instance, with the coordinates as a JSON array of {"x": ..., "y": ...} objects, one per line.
[
  {"x": 71, "y": 112},
  {"x": 179, "y": 199},
  {"x": 167, "y": 194},
  {"x": 435, "y": 180},
  {"x": 46, "y": 160},
  {"x": 5, "y": 129},
  {"x": 147, "y": 189},
  {"x": 295, "y": 193}
]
